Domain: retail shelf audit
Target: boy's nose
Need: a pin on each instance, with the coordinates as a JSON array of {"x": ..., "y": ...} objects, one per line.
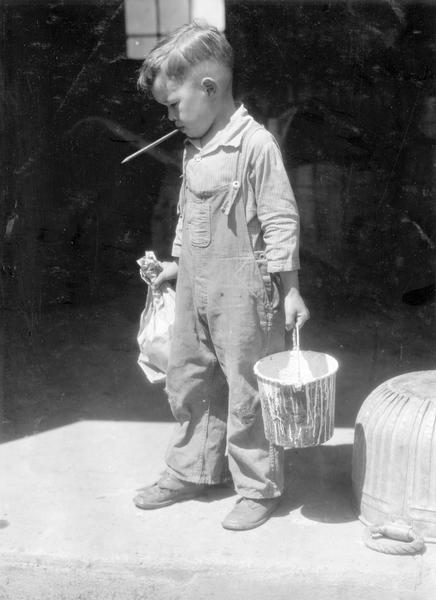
[{"x": 171, "y": 114}]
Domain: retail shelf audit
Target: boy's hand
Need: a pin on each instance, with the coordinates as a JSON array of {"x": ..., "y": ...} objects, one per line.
[
  {"x": 169, "y": 271},
  {"x": 296, "y": 312}
]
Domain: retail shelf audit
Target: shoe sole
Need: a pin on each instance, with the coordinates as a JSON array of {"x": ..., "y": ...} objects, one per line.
[
  {"x": 152, "y": 506},
  {"x": 252, "y": 526}
]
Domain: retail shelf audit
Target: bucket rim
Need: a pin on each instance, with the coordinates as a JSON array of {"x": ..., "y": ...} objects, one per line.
[{"x": 275, "y": 380}]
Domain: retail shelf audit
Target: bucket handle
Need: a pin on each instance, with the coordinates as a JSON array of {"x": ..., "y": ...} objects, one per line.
[{"x": 296, "y": 348}]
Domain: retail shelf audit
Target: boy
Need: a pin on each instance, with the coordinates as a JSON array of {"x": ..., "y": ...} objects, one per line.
[{"x": 236, "y": 263}]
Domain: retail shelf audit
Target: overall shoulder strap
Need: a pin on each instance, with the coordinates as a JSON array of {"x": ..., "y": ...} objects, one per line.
[
  {"x": 245, "y": 148},
  {"x": 182, "y": 192},
  {"x": 241, "y": 165}
]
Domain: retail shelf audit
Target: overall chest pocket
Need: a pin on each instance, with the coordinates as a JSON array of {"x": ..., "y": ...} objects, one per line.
[
  {"x": 200, "y": 209},
  {"x": 199, "y": 224}
]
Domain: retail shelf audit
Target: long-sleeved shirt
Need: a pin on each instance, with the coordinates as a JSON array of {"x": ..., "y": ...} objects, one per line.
[{"x": 270, "y": 207}]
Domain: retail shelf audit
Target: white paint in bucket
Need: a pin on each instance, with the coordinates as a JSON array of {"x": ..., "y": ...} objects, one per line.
[{"x": 296, "y": 367}]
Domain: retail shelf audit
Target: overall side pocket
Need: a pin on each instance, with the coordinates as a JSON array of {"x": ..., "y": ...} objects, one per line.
[{"x": 271, "y": 282}]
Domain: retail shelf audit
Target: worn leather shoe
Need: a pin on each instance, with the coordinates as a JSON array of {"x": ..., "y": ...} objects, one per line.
[
  {"x": 249, "y": 513},
  {"x": 168, "y": 490}
]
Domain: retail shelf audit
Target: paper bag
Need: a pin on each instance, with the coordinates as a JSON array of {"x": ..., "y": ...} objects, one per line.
[{"x": 156, "y": 322}]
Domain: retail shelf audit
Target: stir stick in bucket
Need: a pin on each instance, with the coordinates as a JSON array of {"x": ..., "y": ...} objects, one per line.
[
  {"x": 296, "y": 347},
  {"x": 150, "y": 146}
]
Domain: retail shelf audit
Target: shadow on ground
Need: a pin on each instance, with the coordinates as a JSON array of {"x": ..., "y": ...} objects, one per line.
[{"x": 319, "y": 481}]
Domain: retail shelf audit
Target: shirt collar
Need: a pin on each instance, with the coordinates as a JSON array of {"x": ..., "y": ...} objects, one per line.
[{"x": 231, "y": 135}]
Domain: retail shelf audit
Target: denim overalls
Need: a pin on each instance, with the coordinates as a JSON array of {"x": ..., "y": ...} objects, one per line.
[{"x": 228, "y": 315}]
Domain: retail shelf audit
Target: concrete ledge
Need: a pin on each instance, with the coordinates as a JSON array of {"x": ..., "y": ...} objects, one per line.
[
  {"x": 70, "y": 529},
  {"x": 37, "y": 578}
]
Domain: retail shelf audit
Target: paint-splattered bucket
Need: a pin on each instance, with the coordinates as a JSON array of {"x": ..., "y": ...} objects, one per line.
[{"x": 297, "y": 391}]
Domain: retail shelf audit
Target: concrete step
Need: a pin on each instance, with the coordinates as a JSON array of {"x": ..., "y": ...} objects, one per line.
[{"x": 69, "y": 529}]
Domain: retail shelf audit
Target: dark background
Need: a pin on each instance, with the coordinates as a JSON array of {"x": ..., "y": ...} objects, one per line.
[{"x": 348, "y": 89}]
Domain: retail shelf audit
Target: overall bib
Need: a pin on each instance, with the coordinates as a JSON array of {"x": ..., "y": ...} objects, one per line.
[{"x": 228, "y": 315}]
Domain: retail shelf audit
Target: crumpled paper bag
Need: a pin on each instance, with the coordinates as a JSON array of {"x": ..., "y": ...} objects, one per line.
[{"x": 156, "y": 322}]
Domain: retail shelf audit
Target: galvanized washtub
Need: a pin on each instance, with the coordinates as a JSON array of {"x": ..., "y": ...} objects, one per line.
[{"x": 394, "y": 463}]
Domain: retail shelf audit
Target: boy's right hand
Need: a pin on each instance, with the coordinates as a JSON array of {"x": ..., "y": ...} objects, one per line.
[{"x": 169, "y": 271}]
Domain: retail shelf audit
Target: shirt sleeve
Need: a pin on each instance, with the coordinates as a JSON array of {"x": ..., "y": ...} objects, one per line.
[{"x": 275, "y": 205}]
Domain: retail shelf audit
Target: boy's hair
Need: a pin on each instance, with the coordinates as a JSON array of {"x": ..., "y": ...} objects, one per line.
[{"x": 180, "y": 51}]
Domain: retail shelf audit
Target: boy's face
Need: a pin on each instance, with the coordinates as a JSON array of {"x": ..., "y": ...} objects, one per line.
[{"x": 189, "y": 105}]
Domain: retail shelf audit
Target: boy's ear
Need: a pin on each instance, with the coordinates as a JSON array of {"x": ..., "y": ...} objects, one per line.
[{"x": 209, "y": 85}]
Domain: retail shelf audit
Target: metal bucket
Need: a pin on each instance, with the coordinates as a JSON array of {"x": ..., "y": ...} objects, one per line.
[
  {"x": 394, "y": 456},
  {"x": 297, "y": 391}
]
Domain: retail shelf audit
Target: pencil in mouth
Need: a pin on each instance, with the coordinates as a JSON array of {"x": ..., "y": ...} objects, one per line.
[{"x": 150, "y": 146}]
